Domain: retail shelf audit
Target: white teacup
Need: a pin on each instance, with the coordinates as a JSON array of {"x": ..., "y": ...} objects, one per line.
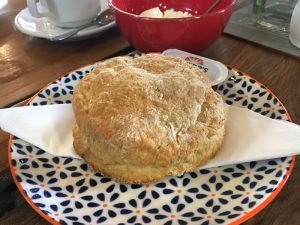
[
  {"x": 65, "y": 13},
  {"x": 295, "y": 26}
]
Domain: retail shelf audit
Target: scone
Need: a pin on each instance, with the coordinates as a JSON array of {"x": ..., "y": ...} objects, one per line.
[{"x": 141, "y": 119}]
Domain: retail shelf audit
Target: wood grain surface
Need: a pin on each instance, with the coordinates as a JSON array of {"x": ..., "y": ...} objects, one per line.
[{"x": 27, "y": 64}]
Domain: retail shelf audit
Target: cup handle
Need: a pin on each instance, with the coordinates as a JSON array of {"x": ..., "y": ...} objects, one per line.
[{"x": 32, "y": 7}]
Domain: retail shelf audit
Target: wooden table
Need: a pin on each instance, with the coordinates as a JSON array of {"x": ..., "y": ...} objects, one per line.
[{"x": 27, "y": 64}]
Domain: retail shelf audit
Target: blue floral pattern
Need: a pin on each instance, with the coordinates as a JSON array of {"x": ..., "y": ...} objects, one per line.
[{"x": 68, "y": 192}]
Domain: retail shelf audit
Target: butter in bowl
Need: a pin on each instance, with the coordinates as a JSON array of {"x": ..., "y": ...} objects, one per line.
[{"x": 184, "y": 25}]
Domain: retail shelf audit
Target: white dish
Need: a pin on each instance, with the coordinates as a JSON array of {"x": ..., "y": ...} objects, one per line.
[
  {"x": 45, "y": 28},
  {"x": 216, "y": 71}
]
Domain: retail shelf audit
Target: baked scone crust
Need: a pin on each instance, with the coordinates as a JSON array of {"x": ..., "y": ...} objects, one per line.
[{"x": 140, "y": 120}]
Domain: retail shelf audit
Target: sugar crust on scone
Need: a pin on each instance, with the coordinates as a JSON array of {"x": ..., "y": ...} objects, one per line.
[{"x": 140, "y": 120}]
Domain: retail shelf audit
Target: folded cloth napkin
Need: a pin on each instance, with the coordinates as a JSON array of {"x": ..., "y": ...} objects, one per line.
[{"x": 249, "y": 135}]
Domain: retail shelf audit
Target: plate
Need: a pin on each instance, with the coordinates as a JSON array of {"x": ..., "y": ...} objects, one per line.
[
  {"x": 65, "y": 191},
  {"x": 44, "y": 28}
]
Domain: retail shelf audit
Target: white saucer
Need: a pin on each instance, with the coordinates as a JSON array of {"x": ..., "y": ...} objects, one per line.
[{"x": 44, "y": 28}]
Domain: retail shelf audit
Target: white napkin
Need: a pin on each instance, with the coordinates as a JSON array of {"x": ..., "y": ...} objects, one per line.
[
  {"x": 249, "y": 135},
  {"x": 48, "y": 127}
]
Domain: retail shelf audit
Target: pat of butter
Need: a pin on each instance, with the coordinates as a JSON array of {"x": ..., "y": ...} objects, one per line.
[
  {"x": 152, "y": 13},
  {"x": 156, "y": 13},
  {"x": 175, "y": 14}
]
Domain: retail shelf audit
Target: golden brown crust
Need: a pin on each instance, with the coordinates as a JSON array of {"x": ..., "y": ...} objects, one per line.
[{"x": 139, "y": 120}]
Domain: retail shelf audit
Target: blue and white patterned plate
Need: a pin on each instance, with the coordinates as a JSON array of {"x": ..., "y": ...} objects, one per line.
[{"x": 65, "y": 190}]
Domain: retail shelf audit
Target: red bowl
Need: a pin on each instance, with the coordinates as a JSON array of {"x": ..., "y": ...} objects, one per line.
[{"x": 191, "y": 34}]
